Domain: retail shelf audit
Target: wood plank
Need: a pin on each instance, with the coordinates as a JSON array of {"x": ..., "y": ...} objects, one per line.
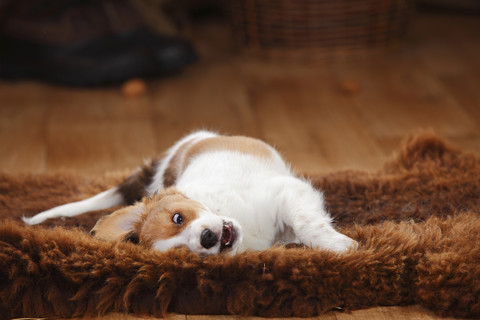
[
  {"x": 210, "y": 97},
  {"x": 314, "y": 125},
  {"x": 280, "y": 126},
  {"x": 413, "y": 312},
  {"x": 326, "y": 316},
  {"x": 98, "y": 130},
  {"x": 122, "y": 316},
  {"x": 393, "y": 313},
  {"x": 399, "y": 97},
  {"x": 22, "y": 127}
]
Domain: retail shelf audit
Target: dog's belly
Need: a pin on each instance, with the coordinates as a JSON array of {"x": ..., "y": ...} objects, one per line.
[{"x": 242, "y": 189}]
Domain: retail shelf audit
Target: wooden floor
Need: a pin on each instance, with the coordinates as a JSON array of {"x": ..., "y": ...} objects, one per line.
[{"x": 304, "y": 109}]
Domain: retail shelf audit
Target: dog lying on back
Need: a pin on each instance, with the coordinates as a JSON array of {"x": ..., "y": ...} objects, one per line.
[{"x": 212, "y": 194}]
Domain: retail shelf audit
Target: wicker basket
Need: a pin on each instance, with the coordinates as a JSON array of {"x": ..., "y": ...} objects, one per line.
[{"x": 307, "y": 27}]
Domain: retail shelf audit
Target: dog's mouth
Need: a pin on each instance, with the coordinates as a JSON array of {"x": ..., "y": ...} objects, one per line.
[{"x": 228, "y": 236}]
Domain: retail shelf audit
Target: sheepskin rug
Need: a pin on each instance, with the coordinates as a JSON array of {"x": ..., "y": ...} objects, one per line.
[{"x": 416, "y": 220}]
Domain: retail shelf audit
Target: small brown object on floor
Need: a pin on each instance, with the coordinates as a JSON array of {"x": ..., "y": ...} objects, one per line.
[
  {"x": 350, "y": 87},
  {"x": 134, "y": 88}
]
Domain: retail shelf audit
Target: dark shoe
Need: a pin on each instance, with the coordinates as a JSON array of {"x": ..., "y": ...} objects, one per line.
[
  {"x": 169, "y": 53},
  {"x": 109, "y": 59},
  {"x": 102, "y": 56}
]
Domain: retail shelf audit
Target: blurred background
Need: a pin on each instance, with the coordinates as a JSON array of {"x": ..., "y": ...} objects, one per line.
[{"x": 97, "y": 86}]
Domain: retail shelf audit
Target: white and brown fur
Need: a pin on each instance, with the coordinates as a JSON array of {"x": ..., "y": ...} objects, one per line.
[{"x": 212, "y": 194}]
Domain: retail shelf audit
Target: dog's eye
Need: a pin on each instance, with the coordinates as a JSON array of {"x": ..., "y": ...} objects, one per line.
[{"x": 177, "y": 218}]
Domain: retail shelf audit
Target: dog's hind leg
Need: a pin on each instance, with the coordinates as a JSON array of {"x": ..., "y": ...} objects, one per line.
[
  {"x": 131, "y": 190},
  {"x": 100, "y": 201}
]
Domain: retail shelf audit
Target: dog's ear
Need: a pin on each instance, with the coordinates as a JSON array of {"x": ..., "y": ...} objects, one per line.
[
  {"x": 132, "y": 237},
  {"x": 120, "y": 225}
]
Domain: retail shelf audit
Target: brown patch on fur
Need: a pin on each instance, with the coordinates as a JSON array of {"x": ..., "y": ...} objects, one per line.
[
  {"x": 156, "y": 223},
  {"x": 191, "y": 149},
  {"x": 169, "y": 176},
  {"x": 150, "y": 220},
  {"x": 133, "y": 188},
  {"x": 245, "y": 145},
  {"x": 172, "y": 171},
  {"x": 416, "y": 220}
]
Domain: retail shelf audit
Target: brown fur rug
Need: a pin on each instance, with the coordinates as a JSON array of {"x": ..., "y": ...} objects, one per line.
[{"x": 417, "y": 222}]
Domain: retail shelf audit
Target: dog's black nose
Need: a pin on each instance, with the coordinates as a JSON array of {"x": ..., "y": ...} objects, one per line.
[{"x": 208, "y": 239}]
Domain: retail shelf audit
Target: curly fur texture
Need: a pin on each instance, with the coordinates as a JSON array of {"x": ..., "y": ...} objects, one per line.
[{"x": 417, "y": 222}]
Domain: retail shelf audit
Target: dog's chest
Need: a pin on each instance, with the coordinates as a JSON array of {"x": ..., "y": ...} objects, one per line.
[
  {"x": 239, "y": 188},
  {"x": 256, "y": 212}
]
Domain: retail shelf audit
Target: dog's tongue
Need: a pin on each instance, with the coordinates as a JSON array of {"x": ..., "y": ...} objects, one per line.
[{"x": 227, "y": 234}]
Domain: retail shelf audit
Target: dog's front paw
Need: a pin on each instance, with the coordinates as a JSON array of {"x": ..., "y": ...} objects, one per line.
[
  {"x": 334, "y": 241},
  {"x": 343, "y": 243}
]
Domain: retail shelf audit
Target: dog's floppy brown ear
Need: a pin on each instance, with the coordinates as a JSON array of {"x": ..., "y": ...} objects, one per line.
[{"x": 119, "y": 225}]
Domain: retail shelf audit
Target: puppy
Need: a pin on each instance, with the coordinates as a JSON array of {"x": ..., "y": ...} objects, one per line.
[{"x": 212, "y": 194}]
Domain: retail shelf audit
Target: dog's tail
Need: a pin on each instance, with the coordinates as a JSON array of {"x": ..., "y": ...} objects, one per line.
[{"x": 128, "y": 192}]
